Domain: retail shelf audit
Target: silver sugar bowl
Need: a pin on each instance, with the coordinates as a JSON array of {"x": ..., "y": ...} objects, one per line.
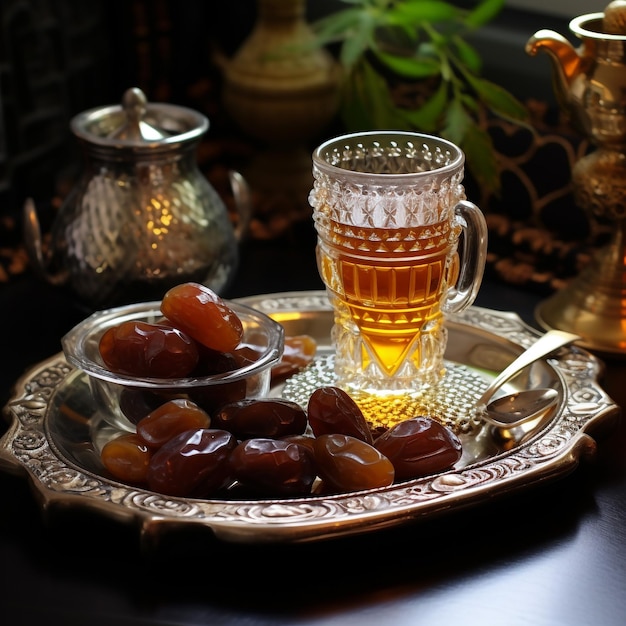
[{"x": 142, "y": 217}]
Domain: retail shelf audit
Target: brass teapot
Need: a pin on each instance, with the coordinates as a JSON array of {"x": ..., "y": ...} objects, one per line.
[
  {"x": 142, "y": 217},
  {"x": 590, "y": 85},
  {"x": 590, "y": 80}
]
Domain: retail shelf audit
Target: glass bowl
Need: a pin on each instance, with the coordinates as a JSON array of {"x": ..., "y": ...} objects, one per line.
[{"x": 122, "y": 400}]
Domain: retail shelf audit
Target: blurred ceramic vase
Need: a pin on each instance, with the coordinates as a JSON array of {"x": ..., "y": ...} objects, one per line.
[
  {"x": 282, "y": 90},
  {"x": 142, "y": 217}
]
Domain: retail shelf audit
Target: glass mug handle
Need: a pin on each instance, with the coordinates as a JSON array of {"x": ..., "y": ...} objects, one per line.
[{"x": 472, "y": 222}]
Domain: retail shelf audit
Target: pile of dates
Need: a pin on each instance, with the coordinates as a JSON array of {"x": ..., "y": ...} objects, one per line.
[
  {"x": 198, "y": 336},
  {"x": 198, "y": 329},
  {"x": 273, "y": 447},
  {"x": 269, "y": 447}
]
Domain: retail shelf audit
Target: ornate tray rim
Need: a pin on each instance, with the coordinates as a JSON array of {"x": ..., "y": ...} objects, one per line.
[{"x": 28, "y": 448}]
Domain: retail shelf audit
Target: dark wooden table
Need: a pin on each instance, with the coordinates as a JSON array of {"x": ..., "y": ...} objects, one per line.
[{"x": 551, "y": 555}]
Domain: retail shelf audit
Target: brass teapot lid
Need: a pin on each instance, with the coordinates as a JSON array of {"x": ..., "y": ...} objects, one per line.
[
  {"x": 614, "y": 20},
  {"x": 138, "y": 125}
]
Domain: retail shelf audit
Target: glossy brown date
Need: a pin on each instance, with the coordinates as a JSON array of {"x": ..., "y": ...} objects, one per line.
[
  {"x": 419, "y": 446},
  {"x": 304, "y": 441},
  {"x": 211, "y": 362},
  {"x": 141, "y": 349},
  {"x": 213, "y": 397},
  {"x": 298, "y": 352},
  {"x": 331, "y": 410},
  {"x": 346, "y": 463},
  {"x": 171, "y": 419},
  {"x": 127, "y": 458},
  {"x": 135, "y": 404},
  {"x": 194, "y": 463},
  {"x": 263, "y": 417},
  {"x": 203, "y": 315},
  {"x": 273, "y": 467}
]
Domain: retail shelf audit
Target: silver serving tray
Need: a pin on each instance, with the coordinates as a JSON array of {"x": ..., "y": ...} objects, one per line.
[{"x": 55, "y": 433}]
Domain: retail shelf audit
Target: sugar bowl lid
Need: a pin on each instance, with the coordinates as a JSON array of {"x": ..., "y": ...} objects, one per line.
[{"x": 138, "y": 124}]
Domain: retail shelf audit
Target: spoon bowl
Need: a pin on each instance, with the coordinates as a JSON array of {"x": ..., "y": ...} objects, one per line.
[
  {"x": 520, "y": 407},
  {"x": 524, "y": 406}
]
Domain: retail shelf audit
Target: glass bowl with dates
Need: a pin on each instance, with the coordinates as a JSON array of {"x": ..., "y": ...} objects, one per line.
[{"x": 191, "y": 346}]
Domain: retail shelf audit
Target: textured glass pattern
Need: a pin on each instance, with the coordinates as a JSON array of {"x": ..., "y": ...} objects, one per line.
[
  {"x": 385, "y": 210},
  {"x": 132, "y": 229}
]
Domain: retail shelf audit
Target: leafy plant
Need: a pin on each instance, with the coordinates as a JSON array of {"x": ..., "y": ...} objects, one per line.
[{"x": 408, "y": 65}]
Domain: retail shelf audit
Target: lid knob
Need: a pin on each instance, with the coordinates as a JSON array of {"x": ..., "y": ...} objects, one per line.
[
  {"x": 614, "y": 22},
  {"x": 134, "y": 104}
]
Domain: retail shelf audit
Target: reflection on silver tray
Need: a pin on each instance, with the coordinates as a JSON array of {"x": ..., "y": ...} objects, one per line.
[{"x": 55, "y": 433}]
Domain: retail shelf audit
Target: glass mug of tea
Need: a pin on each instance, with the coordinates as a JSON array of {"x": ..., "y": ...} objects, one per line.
[{"x": 389, "y": 208}]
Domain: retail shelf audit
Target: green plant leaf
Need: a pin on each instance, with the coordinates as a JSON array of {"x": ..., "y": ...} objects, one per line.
[
  {"x": 428, "y": 116},
  {"x": 498, "y": 100},
  {"x": 456, "y": 122},
  {"x": 409, "y": 67},
  {"x": 486, "y": 11},
  {"x": 416, "y": 11},
  {"x": 336, "y": 26},
  {"x": 354, "y": 115},
  {"x": 366, "y": 102},
  {"x": 467, "y": 55},
  {"x": 481, "y": 158},
  {"x": 355, "y": 46},
  {"x": 367, "y": 3},
  {"x": 427, "y": 49},
  {"x": 470, "y": 103},
  {"x": 415, "y": 40}
]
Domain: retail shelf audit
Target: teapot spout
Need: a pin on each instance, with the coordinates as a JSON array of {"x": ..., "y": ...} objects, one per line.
[
  {"x": 34, "y": 248},
  {"x": 566, "y": 61}
]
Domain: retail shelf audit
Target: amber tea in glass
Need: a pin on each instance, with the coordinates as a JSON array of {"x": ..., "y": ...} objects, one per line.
[{"x": 389, "y": 208}]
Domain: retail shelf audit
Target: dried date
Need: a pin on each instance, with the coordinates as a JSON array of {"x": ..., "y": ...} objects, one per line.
[
  {"x": 141, "y": 349},
  {"x": 213, "y": 397},
  {"x": 273, "y": 467},
  {"x": 203, "y": 315},
  {"x": 135, "y": 404},
  {"x": 170, "y": 419},
  {"x": 127, "y": 458},
  {"x": 331, "y": 410},
  {"x": 298, "y": 352},
  {"x": 419, "y": 446},
  {"x": 263, "y": 417},
  {"x": 193, "y": 463},
  {"x": 346, "y": 463}
]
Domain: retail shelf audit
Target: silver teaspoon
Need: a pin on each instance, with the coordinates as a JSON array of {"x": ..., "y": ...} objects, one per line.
[{"x": 528, "y": 404}]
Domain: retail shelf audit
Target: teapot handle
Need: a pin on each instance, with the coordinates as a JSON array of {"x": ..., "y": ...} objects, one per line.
[
  {"x": 243, "y": 203},
  {"x": 33, "y": 242}
]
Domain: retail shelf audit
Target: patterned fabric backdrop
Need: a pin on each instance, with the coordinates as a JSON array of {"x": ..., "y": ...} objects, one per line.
[{"x": 538, "y": 237}]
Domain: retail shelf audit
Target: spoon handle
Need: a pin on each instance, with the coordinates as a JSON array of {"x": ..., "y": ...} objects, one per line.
[{"x": 547, "y": 343}]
